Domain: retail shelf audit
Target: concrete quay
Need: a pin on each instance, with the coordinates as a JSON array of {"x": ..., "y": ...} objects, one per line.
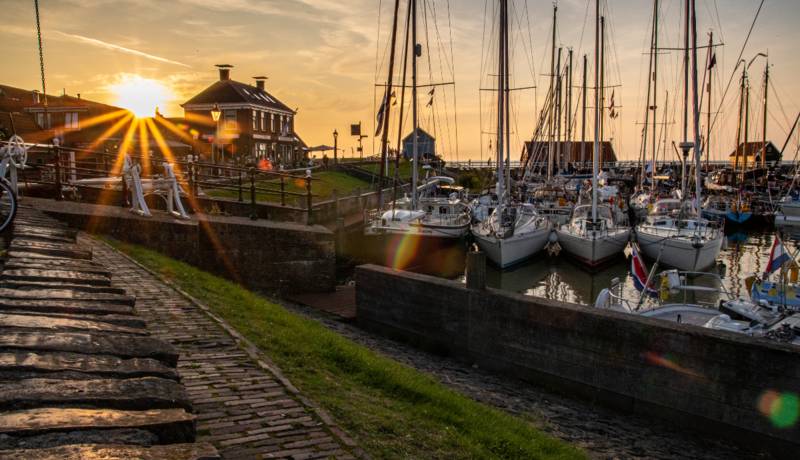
[{"x": 81, "y": 376}]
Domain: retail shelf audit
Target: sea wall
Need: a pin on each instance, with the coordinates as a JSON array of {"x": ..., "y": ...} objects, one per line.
[
  {"x": 700, "y": 379},
  {"x": 262, "y": 255}
]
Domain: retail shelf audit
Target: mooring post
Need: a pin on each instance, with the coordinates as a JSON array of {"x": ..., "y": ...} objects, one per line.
[
  {"x": 283, "y": 190},
  {"x": 58, "y": 173},
  {"x": 308, "y": 197},
  {"x": 240, "y": 186},
  {"x": 476, "y": 269},
  {"x": 335, "y": 199},
  {"x": 253, "y": 210}
]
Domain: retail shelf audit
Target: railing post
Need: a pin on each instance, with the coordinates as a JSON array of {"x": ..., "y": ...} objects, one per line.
[
  {"x": 240, "y": 186},
  {"x": 57, "y": 178},
  {"x": 309, "y": 220},
  {"x": 283, "y": 190},
  {"x": 476, "y": 270},
  {"x": 190, "y": 172},
  {"x": 253, "y": 210},
  {"x": 335, "y": 198}
]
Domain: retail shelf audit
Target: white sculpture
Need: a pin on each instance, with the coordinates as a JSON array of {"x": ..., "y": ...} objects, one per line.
[{"x": 13, "y": 155}]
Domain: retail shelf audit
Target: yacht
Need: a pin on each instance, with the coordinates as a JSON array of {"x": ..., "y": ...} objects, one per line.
[{"x": 593, "y": 241}]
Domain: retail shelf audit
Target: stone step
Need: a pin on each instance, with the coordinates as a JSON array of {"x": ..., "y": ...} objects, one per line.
[
  {"x": 62, "y": 250},
  {"x": 199, "y": 451},
  {"x": 80, "y": 266},
  {"x": 52, "y": 285},
  {"x": 63, "y": 276},
  {"x": 87, "y": 307},
  {"x": 141, "y": 393},
  {"x": 91, "y": 366},
  {"x": 43, "y": 236},
  {"x": 123, "y": 346},
  {"x": 126, "y": 320},
  {"x": 50, "y": 324},
  {"x": 26, "y": 230},
  {"x": 65, "y": 294},
  {"x": 133, "y": 436},
  {"x": 170, "y": 425}
]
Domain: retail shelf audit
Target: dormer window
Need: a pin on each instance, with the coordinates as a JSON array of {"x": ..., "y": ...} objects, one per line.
[{"x": 71, "y": 120}]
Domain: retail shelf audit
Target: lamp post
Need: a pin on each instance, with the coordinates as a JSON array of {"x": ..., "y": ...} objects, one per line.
[
  {"x": 215, "y": 114},
  {"x": 335, "y": 147}
]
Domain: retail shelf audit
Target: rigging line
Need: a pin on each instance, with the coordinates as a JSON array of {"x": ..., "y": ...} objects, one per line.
[
  {"x": 451, "y": 66},
  {"x": 738, "y": 59},
  {"x": 41, "y": 58}
]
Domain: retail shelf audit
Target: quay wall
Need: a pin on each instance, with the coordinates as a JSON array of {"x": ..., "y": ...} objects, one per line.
[
  {"x": 262, "y": 255},
  {"x": 704, "y": 380}
]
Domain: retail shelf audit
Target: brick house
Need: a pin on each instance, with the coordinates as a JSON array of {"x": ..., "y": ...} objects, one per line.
[{"x": 253, "y": 125}]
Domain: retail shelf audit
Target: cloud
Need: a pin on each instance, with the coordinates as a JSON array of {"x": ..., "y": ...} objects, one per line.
[{"x": 110, "y": 46}]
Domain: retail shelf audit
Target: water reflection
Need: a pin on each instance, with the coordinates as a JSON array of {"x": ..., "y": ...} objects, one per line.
[{"x": 559, "y": 278}]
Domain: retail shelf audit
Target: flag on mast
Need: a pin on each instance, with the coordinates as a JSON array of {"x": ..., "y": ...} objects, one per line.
[
  {"x": 639, "y": 273},
  {"x": 777, "y": 257}
]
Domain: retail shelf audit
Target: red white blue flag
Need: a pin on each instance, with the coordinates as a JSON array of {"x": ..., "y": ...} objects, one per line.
[
  {"x": 639, "y": 272},
  {"x": 777, "y": 257}
]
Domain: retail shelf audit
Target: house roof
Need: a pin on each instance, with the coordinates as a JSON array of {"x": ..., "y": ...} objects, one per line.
[
  {"x": 422, "y": 133},
  {"x": 233, "y": 92},
  {"x": 14, "y": 99},
  {"x": 754, "y": 148}
]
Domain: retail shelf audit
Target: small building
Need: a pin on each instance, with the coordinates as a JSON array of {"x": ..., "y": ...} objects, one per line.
[
  {"x": 753, "y": 151},
  {"x": 426, "y": 145},
  {"x": 253, "y": 124},
  {"x": 573, "y": 152}
]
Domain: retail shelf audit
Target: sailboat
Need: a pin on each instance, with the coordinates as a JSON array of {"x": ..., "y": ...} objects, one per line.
[
  {"x": 420, "y": 214},
  {"x": 593, "y": 234},
  {"x": 514, "y": 231},
  {"x": 685, "y": 241}
]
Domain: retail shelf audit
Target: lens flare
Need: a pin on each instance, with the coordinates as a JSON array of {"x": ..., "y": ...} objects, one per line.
[
  {"x": 668, "y": 361},
  {"x": 782, "y": 409},
  {"x": 402, "y": 251},
  {"x": 140, "y": 95}
]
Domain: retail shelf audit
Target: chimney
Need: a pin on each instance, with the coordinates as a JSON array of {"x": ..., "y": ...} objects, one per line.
[
  {"x": 224, "y": 71},
  {"x": 36, "y": 96},
  {"x": 260, "y": 82}
]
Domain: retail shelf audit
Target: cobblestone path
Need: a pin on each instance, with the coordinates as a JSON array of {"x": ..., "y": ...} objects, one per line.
[{"x": 244, "y": 406}]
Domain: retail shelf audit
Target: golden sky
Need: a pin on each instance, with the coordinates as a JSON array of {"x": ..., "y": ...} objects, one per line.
[{"x": 320, "y": 56}]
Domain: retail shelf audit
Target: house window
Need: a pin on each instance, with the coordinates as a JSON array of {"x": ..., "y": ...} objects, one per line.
[
  {"x": 254, "y": 116},
  {"x": 262, "y": 150},
  {"x": 263, "y": 121},
  {"x": 230, "y": 119},
  {"x": 71, "y": 120},
  {"x": 288, "y": 125},
  {"x": 273, "y": 121},
  {"x": 40, "y": 120}
]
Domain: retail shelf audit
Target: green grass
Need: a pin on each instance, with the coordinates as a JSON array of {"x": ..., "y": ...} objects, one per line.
[
  {"x": 392, "y": 410},
  {"x": 322, "y": 188},
  {"x": 404, "y": 169}
]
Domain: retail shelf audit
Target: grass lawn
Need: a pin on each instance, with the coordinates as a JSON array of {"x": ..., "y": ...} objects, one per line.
[
  {"x": 391, "y": 410},
  {"x": 405, "y": 169},
  {"x": 322, "y": 188}
]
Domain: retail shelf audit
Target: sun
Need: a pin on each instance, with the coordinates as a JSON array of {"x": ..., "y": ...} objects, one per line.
[{"x": 140, "y": 95}]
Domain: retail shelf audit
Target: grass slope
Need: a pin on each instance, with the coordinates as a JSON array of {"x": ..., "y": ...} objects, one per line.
[
  {"x": 392, "y": 410},
  {"x": 322, "y": 188}
]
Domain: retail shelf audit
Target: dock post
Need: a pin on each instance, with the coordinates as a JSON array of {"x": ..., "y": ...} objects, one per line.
[
  {"x": 476, "y": 270},
  {"x": 308, "y": 197},
  {"x": 57, "y": 177},
  {"x": 253, "y": 210}
]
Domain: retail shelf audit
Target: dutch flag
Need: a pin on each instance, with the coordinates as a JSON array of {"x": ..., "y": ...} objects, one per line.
[
  {"x": 639, "y": 272},
  {"x": 777, "y": 257}
]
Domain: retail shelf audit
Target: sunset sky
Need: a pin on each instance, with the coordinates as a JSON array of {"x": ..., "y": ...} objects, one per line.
[{"x": 320, "y": 56}]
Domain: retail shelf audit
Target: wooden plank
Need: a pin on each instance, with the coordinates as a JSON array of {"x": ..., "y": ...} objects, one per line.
[
  {"x": 141, "y": 393},
  {"x": 88, "y": 307},
  {"x": 63, "y": 250},
  {"x": 92, "y": 365},
  {"x": 49, "y": 274},
  {"x": 29, "y": 285},
  {"x": 127, "y": 320},
  {"x": 51, "y": 324},
  {"x": 65, "y": 294},
  {"x": 77, "y": 265},
  {"x": 199, "y": 451},
  {"x": 171, "y": 425},
  {"x": 124, "y": 346}
]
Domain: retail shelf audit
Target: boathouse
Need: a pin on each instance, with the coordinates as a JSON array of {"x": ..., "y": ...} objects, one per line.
[
  {"x": 753, "y": 152},
  {"x": 426, "y": 145}
]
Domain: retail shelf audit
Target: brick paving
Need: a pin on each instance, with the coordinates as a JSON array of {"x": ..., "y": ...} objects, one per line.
[{"x": 245, "y": 407}]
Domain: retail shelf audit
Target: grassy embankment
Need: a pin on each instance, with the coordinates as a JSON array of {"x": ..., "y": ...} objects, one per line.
[{"x": 391, "y": 410}]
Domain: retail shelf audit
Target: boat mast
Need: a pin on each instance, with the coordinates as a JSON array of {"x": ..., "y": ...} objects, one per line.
[
  {"x": 685, "y": 145},
  {"x": 655, "y": 93},
  {"x": 583, "y": 116},
  {"x": 643, "y": 154},
  {"x": 406, "y": 47},
  {"x": 739, "y": 128},
  {"x": 558, "y": 109},
  {"x": 507, "y": 98},
  {"x": 698, "y": 147},
  {"x": 746, "y": 123},
  {"x": 595, "y": 153},
  {"x": 568, "y": 118},
  {"x": 500, "y": 106},
  {"x": 708, "y": 95},
  {"x": 602, "y": 88},
  {"x": 551, "y": 118},
  {"x": 764, "y": 127},
  {"x": 415, "y": 141},
  {"x": 386, "y": 107}
]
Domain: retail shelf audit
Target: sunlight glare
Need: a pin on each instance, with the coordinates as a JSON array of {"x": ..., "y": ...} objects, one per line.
[{"x": 140, "y": 95}]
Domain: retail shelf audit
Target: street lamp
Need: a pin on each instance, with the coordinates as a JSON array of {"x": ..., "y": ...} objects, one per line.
[
  {"x": 215, "y": 113},
  {"x": 335, "y": 147}
]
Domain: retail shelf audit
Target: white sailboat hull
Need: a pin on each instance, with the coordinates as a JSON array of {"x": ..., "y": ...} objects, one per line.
[
  {"x": 417, "y": 229},
  {"x": 595, "y": 248},
  {"x": 790, "y": 209},
  {"x": 681, "y": 251},
  {"x": 505, "y": 252}
]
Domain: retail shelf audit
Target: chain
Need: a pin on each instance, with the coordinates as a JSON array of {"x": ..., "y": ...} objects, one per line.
[{"x": 41, "y": 52}]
